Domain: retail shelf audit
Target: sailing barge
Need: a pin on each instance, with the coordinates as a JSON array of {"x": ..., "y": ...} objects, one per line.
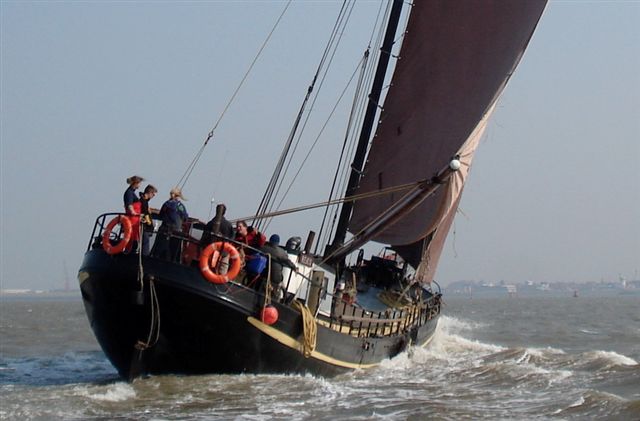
[{"x": 193, "y": 315}]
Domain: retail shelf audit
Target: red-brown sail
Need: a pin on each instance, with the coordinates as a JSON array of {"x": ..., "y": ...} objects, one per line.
[{"x": 456, "y": 58}]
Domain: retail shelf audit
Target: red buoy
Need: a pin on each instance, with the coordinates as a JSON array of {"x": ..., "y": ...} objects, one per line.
[{"x": 269, "y": 315}]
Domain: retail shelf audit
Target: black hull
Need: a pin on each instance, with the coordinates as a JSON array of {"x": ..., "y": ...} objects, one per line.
[{"x": 196, "y": 327}]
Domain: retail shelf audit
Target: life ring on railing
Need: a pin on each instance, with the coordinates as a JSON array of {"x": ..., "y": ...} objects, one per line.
[
  {"x": 126, "y": 227},
  {"x": 209, "y": 260}
]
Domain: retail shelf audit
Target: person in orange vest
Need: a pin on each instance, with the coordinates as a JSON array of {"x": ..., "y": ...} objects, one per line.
[{"x": 132, "y": 209}]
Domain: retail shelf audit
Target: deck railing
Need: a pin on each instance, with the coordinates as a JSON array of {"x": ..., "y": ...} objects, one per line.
[
  {"x": 189, "y": 238},
  {"x": 344, "y": 317},
  {"x": 359, "y": 322}
]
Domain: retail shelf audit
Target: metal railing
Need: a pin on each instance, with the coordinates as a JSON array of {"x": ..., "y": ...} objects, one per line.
[{"x": 186, "y": 237}]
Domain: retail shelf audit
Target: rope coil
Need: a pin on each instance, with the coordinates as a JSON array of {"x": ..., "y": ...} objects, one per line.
[{"x": 309, "y": 329}]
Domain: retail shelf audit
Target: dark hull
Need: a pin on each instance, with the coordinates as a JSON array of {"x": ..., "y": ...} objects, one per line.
[{"x": 195, "y": 327}]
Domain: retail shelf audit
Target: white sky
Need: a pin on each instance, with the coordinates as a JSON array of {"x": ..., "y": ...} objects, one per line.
[{"x": 93, "y": 92}]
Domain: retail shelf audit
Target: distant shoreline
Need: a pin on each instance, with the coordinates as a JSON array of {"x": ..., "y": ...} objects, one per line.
[{"x": 30, "y": 295}]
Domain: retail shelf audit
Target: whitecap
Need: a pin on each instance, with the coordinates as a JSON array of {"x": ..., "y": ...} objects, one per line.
[
  {"x": 451, "y": 323},
  {"x": 446, "y": 345},
  {"x": 116, "y": 392},
  {"x": 613, "y": 357},
  {"x": 577, "y": 403},
  {"x": 543, "y": 352}
]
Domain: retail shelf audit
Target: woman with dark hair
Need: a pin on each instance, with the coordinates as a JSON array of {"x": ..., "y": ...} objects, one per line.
[
  {"x": 147, "y": 223},
  {"x": 132, "y": 209},
  {"x": 130, "y": 194}
]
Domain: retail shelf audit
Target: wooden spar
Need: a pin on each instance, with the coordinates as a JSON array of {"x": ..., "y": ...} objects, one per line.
[{"x": 398, "y": 210}]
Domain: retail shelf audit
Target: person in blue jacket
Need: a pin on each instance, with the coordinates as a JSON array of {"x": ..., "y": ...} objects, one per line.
[{"x": 173, "y": 214}]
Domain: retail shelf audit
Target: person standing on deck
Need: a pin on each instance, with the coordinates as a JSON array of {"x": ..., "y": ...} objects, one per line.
[
  {"x": 173, "y": 214},
  {"x": 249, "y": 236},
  {"x": 130, "y": 194},
  {"x": 254, "y": 263},
  {"x": 279, "y": 259},
  {"x": 147, "y": 223},
  {"x": 225, "y": 229},
  {"x": 132, "y": 209}
]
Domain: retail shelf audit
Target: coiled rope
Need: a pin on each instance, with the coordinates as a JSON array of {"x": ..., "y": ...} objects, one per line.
[{"x": 309, "y": 329}]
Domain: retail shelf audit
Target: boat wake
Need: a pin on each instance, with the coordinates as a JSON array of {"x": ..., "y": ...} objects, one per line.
[
  {"x": 452, "y": 348},
  {"x": 529, "y": 378}
]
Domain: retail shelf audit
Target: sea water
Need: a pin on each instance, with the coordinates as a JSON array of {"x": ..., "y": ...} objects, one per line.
[{"x": 491, "y": 358}]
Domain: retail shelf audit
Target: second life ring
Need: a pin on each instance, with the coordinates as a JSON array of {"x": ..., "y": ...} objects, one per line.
[
  {"x": 125, "y": 226},
  {"x": 207, "y": 267}
]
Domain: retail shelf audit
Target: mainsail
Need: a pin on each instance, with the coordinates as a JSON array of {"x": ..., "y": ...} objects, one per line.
[{"x": 456, "y": 59}]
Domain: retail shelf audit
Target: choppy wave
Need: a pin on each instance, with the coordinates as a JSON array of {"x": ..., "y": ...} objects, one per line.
[
  {"x": 513, "y": 373},
  {"x": 116, "y": 392},
  {"x": 461, "y": 374},
  {"x": 608, "y": 359},
  {"x": 72, "y": 367}
]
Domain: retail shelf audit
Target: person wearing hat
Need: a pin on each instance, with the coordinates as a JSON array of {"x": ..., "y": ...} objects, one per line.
[
  {"x": 173, "y": 214},
  {"x": 279, "y": 259}
]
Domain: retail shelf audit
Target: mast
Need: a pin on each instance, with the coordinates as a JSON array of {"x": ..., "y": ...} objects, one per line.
[{"x": 368, "y": 122}]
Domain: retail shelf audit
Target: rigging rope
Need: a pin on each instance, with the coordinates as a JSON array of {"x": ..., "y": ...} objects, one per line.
[
  {"x": 362, "y": 106},
  {"x": 345, "y": 143},
  {"x": 332, "y": 202},
  {"x": 154, "y": 325},
  {"x": 183, "y": 180},
  {"x": 154, "y": 322},
  {"x": 317, "y": 137},
  {"x": 344, "y": 172},
  {"x": 341, "y": 30},
  {"x": 272, "y": 188}
]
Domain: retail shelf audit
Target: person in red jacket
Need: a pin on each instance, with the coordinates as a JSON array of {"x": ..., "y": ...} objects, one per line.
[
  {"x": 249, "y": 236},
  {"x": 254, "y": 262}
]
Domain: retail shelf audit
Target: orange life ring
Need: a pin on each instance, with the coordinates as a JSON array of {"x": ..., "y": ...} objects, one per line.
[
  {"x": 209, "y": 259},
  {"x": 126, "y": 227}
]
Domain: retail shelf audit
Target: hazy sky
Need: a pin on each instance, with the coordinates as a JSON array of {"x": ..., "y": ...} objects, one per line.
[{"x": 93, "y": 92}]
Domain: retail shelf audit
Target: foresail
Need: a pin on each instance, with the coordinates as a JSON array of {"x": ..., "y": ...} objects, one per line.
[
  {"x": 432, "y": 249},
  {"x": 455, "y": 61},
  {"x": 425, "y": 253}
]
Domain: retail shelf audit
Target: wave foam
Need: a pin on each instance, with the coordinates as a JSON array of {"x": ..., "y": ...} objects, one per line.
[
  {"x": 447, "y": 343},
  {"x": 116, "y": 392},
  {"x": 447, "y": 348},
  {"x": 613, "y": 357}
]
